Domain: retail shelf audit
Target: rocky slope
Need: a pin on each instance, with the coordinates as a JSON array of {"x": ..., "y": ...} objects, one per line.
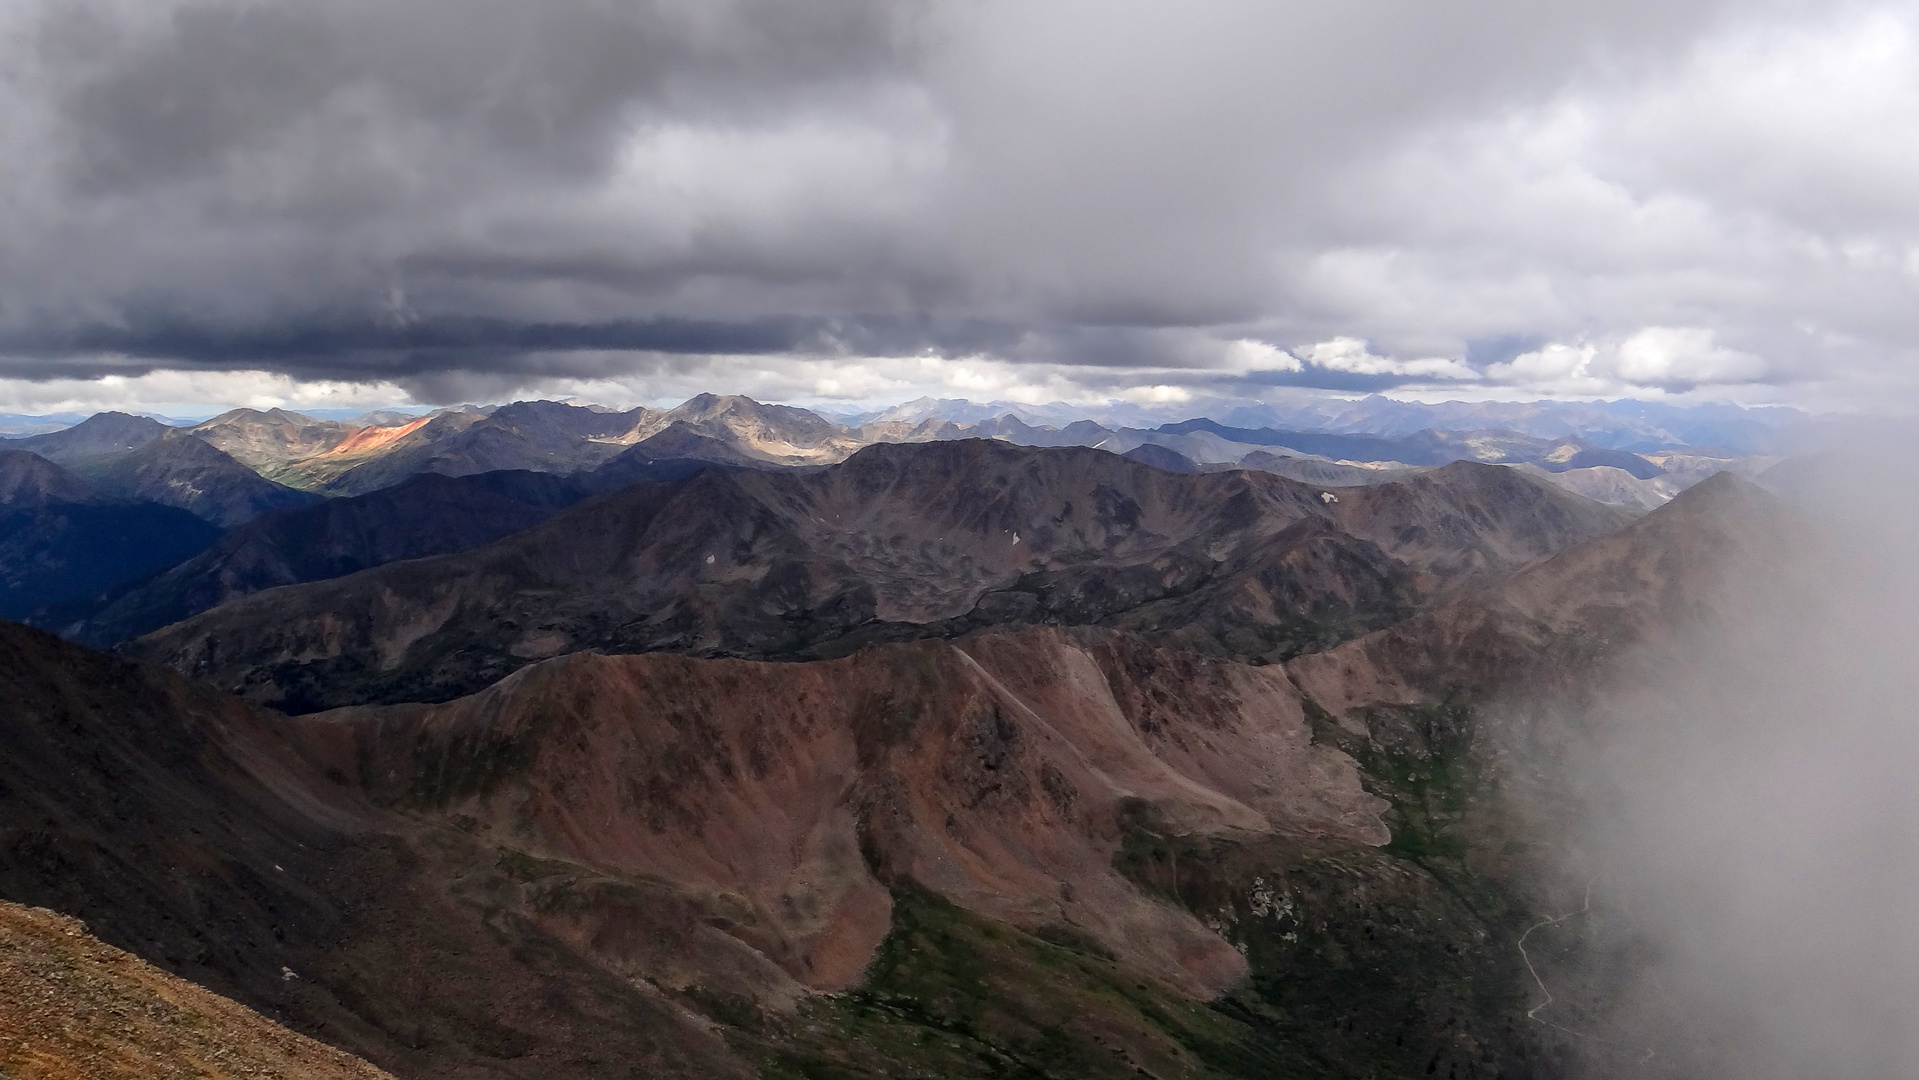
[
  {"x": 1319, "y": 471},
  {"x": 775, "y": 434},
  {"x": 682, "y": 441},
  {"x": 274, "y": 441},
  {"x": 1604, "y": 483},
  {"x": 182, "y": 827},
  {"x": 540, "y": 436},
  {"x": 75, "y": 1008},
  {"x": 899, "y": 541},
  {"x": 994, "y": 771},
  {"x": 1032, "y": 853}
]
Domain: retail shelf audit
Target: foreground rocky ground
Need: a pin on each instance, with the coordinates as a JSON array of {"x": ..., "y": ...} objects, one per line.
[{"x": 75, "y": 1008}]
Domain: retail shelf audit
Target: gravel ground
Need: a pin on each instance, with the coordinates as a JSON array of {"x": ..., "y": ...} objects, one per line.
[{"x": 73, "y": 1008}]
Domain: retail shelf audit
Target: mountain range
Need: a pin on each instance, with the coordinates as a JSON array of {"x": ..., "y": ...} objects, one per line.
[
  {"x": 248, "y": 464},
  {"x": 1072, "y": 849},
  {"x": 898, "y": 541},
  {"x": 730, "y": 741}
]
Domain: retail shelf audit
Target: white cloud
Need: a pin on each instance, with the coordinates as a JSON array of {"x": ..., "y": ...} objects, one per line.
[
  {"x": 1156, "y": 395},
  {"x": 1654, "y": 361},
  {"x": 1756, "y": 192},
  {"x": 1351, "y": 356},
  {"x": 1667, "y": 356},
  {"x": 1246, "y": 355},
  {"x": 193, "y": 393}
]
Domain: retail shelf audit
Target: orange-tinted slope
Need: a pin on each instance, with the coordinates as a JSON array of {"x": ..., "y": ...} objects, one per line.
[{"x": 369, "y": 439}]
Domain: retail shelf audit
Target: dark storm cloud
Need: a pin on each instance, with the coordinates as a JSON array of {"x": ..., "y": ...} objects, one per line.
[
  {"x": 537, "y": 88},
  {"x": 355, "y": 189},
  {"x": 368, "y": 349}
]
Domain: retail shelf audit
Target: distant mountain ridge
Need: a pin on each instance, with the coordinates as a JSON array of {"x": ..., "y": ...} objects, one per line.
[
  {"x": 1627, "y": 424},
  {"x": 248, "y": 464},
  {"x": 899, "y": 541},
  {"x": 336, "y": 457},
  {"x": 137, "y": 457}
]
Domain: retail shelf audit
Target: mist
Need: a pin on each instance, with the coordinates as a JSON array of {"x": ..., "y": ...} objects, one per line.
[{"x": 1736, "y": 840}]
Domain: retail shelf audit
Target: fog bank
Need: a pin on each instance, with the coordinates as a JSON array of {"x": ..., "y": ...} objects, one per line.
[{"x": 1745, "y": 809}]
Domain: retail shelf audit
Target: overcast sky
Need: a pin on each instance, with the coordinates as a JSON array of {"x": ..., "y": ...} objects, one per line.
[{"x": 345, "y": 202}]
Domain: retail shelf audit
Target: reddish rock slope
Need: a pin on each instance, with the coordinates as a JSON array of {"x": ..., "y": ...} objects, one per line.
[{"x": 996, "y": 770}]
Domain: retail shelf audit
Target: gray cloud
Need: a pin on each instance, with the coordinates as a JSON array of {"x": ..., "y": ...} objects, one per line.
[
  {"x": 1122, "y": 192},
  {"x": 1750, "y": 827}
]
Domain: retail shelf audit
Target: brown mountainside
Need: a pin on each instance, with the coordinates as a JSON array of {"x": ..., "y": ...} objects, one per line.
[
  {"x": 181, "y": 826},
  {"x": 994, "y": 771},
  {"x": 605, "y": 864}
]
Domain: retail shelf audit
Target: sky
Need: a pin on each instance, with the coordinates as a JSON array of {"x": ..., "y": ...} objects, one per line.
[{"x": 347, "y": 203}]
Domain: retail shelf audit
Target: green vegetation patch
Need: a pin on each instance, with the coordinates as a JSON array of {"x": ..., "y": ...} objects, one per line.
[{"x": 955, "y": 994}]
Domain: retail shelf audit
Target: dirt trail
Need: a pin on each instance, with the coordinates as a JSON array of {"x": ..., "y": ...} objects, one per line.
[
  {"x": 1533, "y": 1013},
  {"x": 1585, "y": 908}
]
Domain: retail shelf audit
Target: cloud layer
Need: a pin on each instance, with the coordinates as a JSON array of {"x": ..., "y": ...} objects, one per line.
[{"x": 468, "y": 198}]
